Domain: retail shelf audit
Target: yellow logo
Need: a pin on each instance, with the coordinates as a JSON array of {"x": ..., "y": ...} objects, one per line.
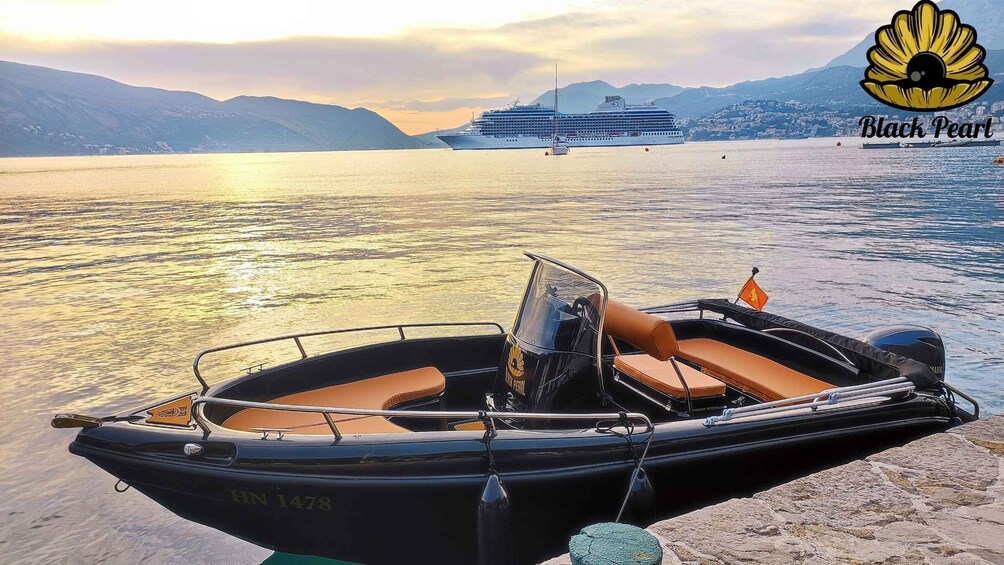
[
  {"x": 175, "y": 413},
  {"x": 514, "y": 365},
  {"x": 926, "y": 59}
]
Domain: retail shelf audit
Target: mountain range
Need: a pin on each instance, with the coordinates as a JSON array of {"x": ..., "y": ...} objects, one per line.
[
  {"x": 49, "y": 112},
  {"x": 986, "y": 15},
  {"x": 834, "y": 85},
  {"x": 581, "y": 97}
]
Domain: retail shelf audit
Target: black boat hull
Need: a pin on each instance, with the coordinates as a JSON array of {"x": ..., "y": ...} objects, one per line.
[{"x": 384, "y": 499}]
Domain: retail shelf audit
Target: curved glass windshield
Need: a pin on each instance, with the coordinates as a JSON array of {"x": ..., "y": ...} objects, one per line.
[{"x": 560, "y": 311}]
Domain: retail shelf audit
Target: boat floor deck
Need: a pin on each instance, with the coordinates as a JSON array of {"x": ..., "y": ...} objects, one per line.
[{"x": 939, "y": 499}]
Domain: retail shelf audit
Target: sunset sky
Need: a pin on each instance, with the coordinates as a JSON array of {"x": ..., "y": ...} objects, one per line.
[{"x": 430, "y": 64}]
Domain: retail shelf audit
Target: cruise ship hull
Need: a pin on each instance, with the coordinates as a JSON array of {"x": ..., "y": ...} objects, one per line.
[{"x": 474, "y": 141}]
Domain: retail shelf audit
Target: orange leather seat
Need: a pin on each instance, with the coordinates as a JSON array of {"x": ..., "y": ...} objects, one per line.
[
  {"x": 377, "y": 393},
  {"x": 653, "y": 368},
  {"x": 661, "y": 376},
  {"x": 748, "y": 371}
]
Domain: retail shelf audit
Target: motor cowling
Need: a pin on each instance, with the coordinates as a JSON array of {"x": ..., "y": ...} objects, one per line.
[{"x": 915, "y": 342}]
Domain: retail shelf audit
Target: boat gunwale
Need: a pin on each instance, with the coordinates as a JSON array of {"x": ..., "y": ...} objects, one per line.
[{"x": 255, "y": 467}]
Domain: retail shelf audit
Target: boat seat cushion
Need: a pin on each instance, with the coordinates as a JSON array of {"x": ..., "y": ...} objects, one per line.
[
  {"x": 749, "y": 372},
  {"x": 646, "y": 332},
  {"x": 376, "y": 393},
  {"x": 661, "y": 376}
]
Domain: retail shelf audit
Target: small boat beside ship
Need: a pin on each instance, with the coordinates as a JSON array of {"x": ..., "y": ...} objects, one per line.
[
  {"x": 464, "y": 445},
  {"x": 558, "y": 147}
]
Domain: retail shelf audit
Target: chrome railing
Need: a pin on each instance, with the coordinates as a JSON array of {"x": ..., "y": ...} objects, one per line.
[
  {"x": 327, "y": 411},
  {"x": 879, "y": 390},
  {"x": 303, "y": 352}
]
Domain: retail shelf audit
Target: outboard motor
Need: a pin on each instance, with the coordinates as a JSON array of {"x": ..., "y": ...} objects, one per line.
[{"x": 915, "y": 342}]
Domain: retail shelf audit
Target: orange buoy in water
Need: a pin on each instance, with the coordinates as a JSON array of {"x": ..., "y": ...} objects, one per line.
[
  {"x": 999, "y": 161},
  {"x": 547, "y": 153},
  {"x": 838, "y": 144},
  {"x": 646, "y": 149}
]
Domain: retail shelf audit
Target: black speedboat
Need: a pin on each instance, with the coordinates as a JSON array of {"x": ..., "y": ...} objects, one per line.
[{"x": 467, "y": 447}]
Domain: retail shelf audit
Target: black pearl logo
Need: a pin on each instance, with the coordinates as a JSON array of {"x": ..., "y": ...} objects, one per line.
[{"x": 926, "y": 59}]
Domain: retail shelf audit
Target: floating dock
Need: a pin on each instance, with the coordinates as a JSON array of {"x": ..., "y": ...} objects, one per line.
[{"x": 939, "y": 499}]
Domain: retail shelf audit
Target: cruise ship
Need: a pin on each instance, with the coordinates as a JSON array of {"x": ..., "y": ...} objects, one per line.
[{"x": 613, "y": 123}]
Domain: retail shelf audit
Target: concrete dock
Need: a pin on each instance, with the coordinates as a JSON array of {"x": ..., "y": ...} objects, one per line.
[{"x": 939, "y": 499}]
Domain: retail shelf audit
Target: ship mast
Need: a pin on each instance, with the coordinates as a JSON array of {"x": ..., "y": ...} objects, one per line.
[
  {"x": 557, "y": 148},
  {"x": 554, "y": 137}
]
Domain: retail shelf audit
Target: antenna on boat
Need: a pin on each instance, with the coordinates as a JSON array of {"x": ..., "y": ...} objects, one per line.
[
  {"x": 557, "y": 148},
  {"x": 555, "y": 120}
]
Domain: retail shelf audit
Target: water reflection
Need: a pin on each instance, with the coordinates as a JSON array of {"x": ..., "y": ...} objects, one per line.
[{"x": 115, "y": 271}]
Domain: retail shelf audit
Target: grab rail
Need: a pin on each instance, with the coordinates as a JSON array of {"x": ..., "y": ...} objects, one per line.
[
  {"x": 807, "y": 334},
  {"x": 969, "y": 399},
  {"x": 303, "y": 353},
  {"x": 327, "y": 411},
  {"x": 815, "y": 400}
]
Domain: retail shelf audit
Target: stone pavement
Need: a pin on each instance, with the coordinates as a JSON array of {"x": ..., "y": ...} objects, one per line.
[{"x": 939, "y": 499}]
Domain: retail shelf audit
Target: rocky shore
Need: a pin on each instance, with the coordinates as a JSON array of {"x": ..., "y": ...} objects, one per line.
[{"x": 939, "y": 499}]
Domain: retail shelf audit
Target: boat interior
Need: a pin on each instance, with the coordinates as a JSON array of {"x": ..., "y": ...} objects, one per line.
[{"x": 572, "y": 350}]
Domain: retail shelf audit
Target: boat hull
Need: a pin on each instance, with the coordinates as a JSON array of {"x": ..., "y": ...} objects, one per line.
[
  {"x": 465, "y": 141},
  {"x": 394, "y": 498}
]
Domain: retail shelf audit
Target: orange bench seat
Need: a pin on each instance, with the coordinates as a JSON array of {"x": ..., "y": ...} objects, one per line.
[
  {"x": 661, "y": 376},
  {"x": 748, "y": 372},
  {"x": 376, "y": 393}
]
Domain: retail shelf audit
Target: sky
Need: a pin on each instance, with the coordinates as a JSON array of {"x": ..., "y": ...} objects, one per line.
[{"x": 429, "y": 64}]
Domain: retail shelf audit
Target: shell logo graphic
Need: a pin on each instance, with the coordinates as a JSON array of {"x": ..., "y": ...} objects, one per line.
[
  {"x": 514, "y": 365},
  {"x": 926, "y": 59}
]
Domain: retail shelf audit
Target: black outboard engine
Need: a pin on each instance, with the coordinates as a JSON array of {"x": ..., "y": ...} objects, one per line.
[{"x": 915, "y": 342}]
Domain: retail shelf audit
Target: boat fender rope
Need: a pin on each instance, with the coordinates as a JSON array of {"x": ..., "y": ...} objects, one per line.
[
  {"x": 950, "y": 400},
  {"x": 120, "y": 490},
  {"x": 628, "y": 437},
  {"x": 490, "y": 434}
]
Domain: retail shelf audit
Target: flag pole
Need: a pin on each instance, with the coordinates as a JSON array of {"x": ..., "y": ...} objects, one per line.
[{"x": 738, "y": 296}]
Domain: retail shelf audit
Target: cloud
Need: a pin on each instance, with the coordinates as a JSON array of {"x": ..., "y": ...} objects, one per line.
[
  {"x": 442, "y": 105},
  {"x": 449, "y": 71},
  {"x": 332, "y": 69}
]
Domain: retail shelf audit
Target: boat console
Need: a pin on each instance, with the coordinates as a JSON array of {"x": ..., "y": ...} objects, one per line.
[{"x": 550, "y": 358}]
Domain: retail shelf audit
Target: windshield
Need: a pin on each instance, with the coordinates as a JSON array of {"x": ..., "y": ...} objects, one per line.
[{"x": 560, "y": 311}]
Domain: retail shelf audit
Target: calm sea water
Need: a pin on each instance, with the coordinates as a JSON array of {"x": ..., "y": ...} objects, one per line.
[{"x": 115, "y": 271}]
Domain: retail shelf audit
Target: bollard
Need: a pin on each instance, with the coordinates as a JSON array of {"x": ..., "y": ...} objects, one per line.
[{"x": 614, "y": 544}]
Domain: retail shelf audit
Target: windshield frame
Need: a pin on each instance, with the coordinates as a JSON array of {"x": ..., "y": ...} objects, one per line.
[{"x": 538, "y": 261}]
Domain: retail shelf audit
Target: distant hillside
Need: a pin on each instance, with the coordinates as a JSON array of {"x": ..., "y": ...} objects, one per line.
[
  {"x": 50, "y": 112},
  {"x": 985, "y": 15},
  {"x": 580, "y": 97},
  {"x": 430, "y": 140},
  {"x": 834, "y": 87},
  {"x": 837, "y": 86},
  {"x": 758, "y": 119}
]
